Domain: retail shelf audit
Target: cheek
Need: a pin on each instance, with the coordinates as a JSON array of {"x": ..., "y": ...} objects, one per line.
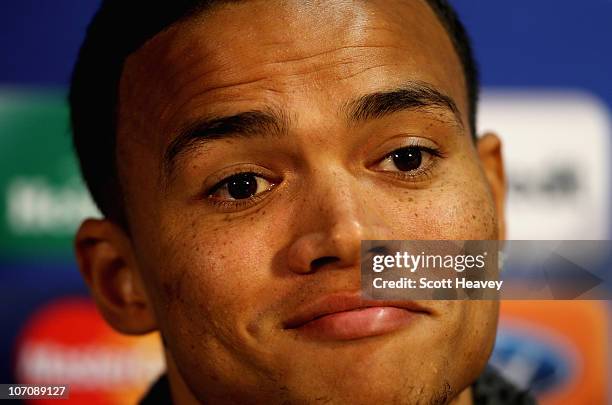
[
  {"x": 471, "y": 339},
  {"x": 455, "y": 210},
  {"x": 465, "y": 212},
  {"x": 213, "y": 273}
]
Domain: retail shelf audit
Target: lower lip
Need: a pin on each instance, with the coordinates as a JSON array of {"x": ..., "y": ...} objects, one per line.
[{"x": 358, "y": 323}]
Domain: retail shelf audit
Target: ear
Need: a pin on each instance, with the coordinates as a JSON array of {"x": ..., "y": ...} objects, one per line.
[
  {"x": 106, "y": 261},
  {"x": 490, "y": 151}
]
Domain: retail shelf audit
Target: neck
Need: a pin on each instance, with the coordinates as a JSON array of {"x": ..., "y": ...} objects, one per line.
[{"x": 464, "y": 398}]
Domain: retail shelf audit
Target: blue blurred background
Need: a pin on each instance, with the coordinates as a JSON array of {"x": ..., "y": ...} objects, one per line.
[{"x": 546, "y": 69}]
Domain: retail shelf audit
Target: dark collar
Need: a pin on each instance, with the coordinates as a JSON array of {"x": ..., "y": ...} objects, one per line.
[
  {"x": 159, "y": 393},
  {"x": 492, "y": 389}
]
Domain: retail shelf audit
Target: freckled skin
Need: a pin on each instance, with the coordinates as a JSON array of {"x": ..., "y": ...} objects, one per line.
[{"x": 221, "y": 281}]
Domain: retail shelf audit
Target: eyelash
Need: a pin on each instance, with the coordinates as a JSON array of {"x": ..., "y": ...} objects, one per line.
[
  {"x": 420, "y": 174},
  {"x": 237, "y": 204},
  {"x": 241, "y": 203}
]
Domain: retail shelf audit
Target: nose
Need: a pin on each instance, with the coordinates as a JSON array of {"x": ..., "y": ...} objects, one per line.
[
  {"x": 333, "y": 221},
  {"x": 338, "y": 246}
]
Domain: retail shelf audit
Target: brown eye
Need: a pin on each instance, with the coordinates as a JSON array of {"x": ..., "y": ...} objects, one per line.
[
  {"x": 407, "y": 159},
  {"x": 240, "y": 186},
  {"x": 410, "y": 162}
]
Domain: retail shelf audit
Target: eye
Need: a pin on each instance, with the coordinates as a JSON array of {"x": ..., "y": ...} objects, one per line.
[
  {"x": 410, "y": 160},
  {"x": 240, "y": 186},
  {"x": 405, "y": 159}
]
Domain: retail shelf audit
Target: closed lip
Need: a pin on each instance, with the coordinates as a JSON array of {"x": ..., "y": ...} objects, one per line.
[{"x": 342, "y": 302}]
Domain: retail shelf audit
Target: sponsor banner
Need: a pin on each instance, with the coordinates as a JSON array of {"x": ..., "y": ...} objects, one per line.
[
  {"x": 556, "y": 150},
  {"x": 66, "y": 342},
  {"x": 486, "y": 269},
  {"x": 559, "y": 350},
  {"x": 42, "y": 197}
]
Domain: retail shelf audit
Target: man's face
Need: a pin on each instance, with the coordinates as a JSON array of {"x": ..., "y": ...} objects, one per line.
[{"x": 258, "y": 144}]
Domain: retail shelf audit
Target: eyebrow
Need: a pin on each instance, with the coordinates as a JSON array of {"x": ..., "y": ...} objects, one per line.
[
  {"x": 274, "y": 122},
  {"x": 242, "y": 125},
  {"x": 416, "y": 95}
]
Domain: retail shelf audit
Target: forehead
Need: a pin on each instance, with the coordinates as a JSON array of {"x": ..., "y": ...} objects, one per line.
[{"x": 305, "y": 57}]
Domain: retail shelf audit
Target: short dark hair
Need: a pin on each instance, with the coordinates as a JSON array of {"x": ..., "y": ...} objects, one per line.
[{"x": 121, "y": 27}]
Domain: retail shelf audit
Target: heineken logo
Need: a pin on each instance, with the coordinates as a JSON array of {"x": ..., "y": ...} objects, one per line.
[{"x": 35, "y": 206}]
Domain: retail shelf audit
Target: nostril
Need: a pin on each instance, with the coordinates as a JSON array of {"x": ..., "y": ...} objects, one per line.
[{"x": 322, "y": 261}]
